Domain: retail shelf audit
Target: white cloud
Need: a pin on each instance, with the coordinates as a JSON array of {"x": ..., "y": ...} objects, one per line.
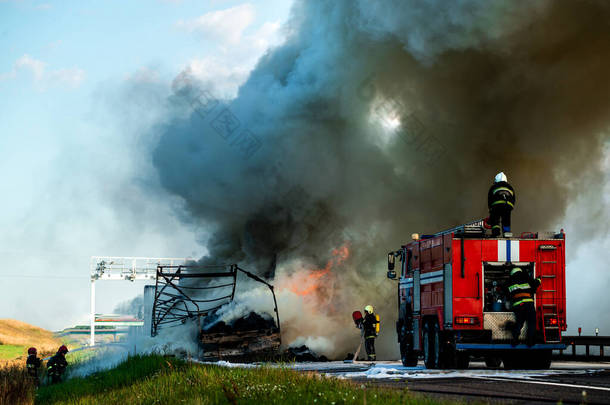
[
  {"x": 219, "y": 74},
  {"x": 267, "y": 36},
  {"x": 226, "y": 25},
  {"x": 229, "y": 67},
  {"x": 26, "y": 62},
  {"x": 71, "y": 77}
]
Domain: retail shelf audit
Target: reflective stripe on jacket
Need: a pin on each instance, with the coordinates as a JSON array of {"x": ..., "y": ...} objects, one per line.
[
  {"x": 57, "y": 364},
  {"x": 522, "y": 288},
  {"x": 501, "y": 194}
]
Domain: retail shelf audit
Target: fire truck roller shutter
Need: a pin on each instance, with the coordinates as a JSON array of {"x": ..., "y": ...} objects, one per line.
[
  {"x": 447, "y": 295},
  {"x": 416, "y": 308}
]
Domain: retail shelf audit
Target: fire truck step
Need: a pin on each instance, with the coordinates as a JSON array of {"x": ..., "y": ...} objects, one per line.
[
  {"x": 545, "y": 262},
  {"x": 548, "y": 290},
  {"x": 548, "y": 276},
  {"x": 549, "y": 314}
]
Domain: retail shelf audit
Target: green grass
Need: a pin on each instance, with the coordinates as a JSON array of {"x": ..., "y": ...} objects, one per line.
[
  {"x": 157, "y": 379},
  {"x": 9, "y": 352},
  {"x": 81, "y": 356}
]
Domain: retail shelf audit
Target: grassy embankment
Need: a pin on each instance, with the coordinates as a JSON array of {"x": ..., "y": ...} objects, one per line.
[
  {"x": 163, "y": 380},
  {"x": 17, "y": 336},
  {"x": 15, "y": 339},
  {"x": 157, "y": 379}
]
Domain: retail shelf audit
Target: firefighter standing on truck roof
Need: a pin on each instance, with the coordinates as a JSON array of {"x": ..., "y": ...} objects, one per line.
[
  {"x": 57, "y": 364},
  {"x": 501, "y": 201},
  {"x": 32, "y": 364},
  {"x": 521, "y": 289},
  {"x": 370, "y": 325}
]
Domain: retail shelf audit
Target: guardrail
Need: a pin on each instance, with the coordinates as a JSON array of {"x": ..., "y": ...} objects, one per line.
[{"x": 587, "y": 342}]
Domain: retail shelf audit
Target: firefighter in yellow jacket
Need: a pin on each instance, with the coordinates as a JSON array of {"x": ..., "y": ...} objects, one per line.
[
  {"x": 371, "y": 329},
  {"x": 521, "y": 288}
]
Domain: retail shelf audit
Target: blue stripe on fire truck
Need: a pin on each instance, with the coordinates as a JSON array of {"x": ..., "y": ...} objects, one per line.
[{"x": 508, "y": 251}]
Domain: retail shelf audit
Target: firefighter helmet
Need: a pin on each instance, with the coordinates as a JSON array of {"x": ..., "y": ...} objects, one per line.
[
  {"x": 32, "y": 350},
  {"x": 62, "y": 349},
  {"x": 500, "y": 177},
  {"x": 369, "y": 309},
  {"x": 515, "y": 270}
]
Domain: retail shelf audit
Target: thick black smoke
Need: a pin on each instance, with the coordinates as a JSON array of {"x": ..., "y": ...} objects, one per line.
[{"x": 376, "y": 120}]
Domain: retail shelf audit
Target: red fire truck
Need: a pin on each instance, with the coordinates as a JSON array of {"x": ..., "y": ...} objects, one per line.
[{"x": 453, "y": 304}]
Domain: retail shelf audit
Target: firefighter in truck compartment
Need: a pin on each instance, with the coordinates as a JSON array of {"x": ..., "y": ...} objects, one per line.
[
  {"x": 521, "y": 288},
  {"x": 501, "y": 201}
]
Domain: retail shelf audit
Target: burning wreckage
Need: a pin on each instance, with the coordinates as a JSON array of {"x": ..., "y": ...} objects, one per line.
[{"x": 200, "y": 294}]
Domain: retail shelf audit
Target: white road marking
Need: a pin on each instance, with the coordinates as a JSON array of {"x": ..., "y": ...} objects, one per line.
[{"x": 588, "y": 387}]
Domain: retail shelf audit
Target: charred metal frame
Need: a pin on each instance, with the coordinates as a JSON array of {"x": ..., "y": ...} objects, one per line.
[{"x": 174, "y": 303}]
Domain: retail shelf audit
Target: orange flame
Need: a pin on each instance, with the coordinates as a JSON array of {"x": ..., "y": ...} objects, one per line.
[{"x": 309, "y": 282}]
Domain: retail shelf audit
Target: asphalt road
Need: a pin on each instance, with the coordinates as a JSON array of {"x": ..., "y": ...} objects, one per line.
[{"x": 570, "y": 383}]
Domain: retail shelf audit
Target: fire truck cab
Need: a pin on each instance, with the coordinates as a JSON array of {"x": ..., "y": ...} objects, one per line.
[{"x": 453, "y": 302}]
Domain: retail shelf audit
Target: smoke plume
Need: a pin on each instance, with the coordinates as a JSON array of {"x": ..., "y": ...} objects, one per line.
[{"x": 374, "y": 120}]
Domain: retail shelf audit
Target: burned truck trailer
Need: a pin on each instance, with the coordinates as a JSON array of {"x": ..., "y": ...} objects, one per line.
[
  {"x": 196, "y": 294},
  {"x": 453, "y": 304}
]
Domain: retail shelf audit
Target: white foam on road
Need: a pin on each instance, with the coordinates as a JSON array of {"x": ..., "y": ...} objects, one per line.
[
  {"x": 397, "y": 371},
  {"x": 227, "y": 364},
  {"x": 528, "y": 381}
]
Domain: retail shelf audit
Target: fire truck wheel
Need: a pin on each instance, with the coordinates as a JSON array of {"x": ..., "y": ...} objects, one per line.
[
  {"x": 462, "y": 360},
  {"x": 545, "y": 361},
  {"x": 541, "y": 360},
  {"x": 514, "y": 361},
  {"x": 407, "y": 354},
  {"x": 448, "y": 353},
  {"x": 431, "y": 345},
  {"x": 492, "y": 362}
]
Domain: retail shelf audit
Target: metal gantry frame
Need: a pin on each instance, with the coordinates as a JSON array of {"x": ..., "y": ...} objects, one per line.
[
  {"x": 186, "y": 292},
  {"x": 114, "y": 268}
]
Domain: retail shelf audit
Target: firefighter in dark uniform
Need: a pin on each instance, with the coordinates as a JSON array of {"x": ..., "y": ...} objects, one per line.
[
  {"x": 32, "y": 364},
  {"x": 370, "y": 332},
  {"x": 521, "y": 288},
  {"x": 501, "y": 201},
  {"x": 57, "y": 364}
]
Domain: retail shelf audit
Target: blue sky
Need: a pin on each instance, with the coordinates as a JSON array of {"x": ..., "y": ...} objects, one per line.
[{"x": 75, "y": 173}]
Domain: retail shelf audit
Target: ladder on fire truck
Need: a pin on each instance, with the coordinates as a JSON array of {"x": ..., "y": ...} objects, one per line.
[
  {"x": 475, "y": 227},
  {"x": 550, "y": 285}
]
